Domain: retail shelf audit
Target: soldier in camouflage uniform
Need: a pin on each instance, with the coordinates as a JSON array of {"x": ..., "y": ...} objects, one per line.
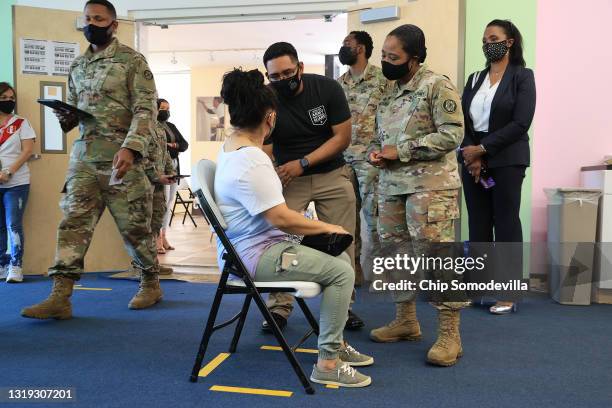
[
  {"x": 160, "y": 171},
  {"x": 114, "y": 84},
  {"x": 364, "y": 86},
  {"x": 419, "y": 126}
]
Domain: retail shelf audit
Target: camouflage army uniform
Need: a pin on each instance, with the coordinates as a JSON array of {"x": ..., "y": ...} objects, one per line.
[
  {"x": 158, "y": 163},
  {"x": 417, "y": 196},
  {"x": 363, "y": 95},
  {"x": 117, "y": 88}
]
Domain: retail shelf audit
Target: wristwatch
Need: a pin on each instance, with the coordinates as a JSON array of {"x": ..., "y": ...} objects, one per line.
[
  {"x": 8, "y": 173},
  {"x": 304, "y": 163}
]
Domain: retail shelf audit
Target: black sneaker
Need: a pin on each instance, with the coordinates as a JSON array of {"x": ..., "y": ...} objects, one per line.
[
  {"x": 353, "y": 322},
  {"x": 280, "y": 321}
]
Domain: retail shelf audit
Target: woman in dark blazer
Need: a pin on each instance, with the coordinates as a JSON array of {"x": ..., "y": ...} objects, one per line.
[
  {"x": 176, "y": 144},
  {"x": 498, "y": 104}
]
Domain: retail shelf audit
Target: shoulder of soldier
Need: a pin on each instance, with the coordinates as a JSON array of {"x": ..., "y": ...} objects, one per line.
[
  {"x": 342, "y": 77},
  {"x": 439, "y": 81},
  {"x": 129, "y": 54},
  {"x": 77, "y": 61}
]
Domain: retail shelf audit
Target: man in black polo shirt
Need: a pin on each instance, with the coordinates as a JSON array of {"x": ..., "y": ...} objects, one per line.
[{"x": 313, "y": 128}]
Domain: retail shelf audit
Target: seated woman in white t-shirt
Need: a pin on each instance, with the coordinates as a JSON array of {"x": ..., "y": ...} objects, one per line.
[
  {"x": 250, "y": 197},
  {"x": 16, "y": 145}
]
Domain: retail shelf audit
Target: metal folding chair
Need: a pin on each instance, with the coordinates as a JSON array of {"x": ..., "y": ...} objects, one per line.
[
  {"x": 242, "y": 283},
  {"x": 185, "y": 203}
]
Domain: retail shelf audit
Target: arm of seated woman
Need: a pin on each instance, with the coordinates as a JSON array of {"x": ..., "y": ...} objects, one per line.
[{"x": 292, "y": 222}]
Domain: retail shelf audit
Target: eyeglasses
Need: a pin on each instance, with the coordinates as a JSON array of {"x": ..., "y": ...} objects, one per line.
[{"x": 288, "y": 73}]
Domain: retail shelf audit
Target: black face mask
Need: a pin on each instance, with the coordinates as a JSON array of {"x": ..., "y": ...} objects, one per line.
[
  {"x": 288, "y": 87},
  {"x": 98, "y": 35},
  {"x": 495, "y": 51},
  {"x": 347, "y": 56},
  {"x": 7, "y": 106},
  {"x": 163, "y": 115},
  {"x": 394, "y": 72}
]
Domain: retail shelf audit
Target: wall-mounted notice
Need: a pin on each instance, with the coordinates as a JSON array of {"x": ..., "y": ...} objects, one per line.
[{"x": 42, "y": 57}]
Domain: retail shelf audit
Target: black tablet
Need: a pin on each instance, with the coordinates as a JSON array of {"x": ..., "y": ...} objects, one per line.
[{"x": 64, "y": 107}]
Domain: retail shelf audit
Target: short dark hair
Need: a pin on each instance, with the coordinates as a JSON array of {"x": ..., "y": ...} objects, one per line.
[
  {"x": 109, "y": 6},
  {"x": 5, "y": 86},
  {"x": 160, "y": 101},
  {"x": 363, "y": 38},
  {"x": 412, "y": 39},
  {"x": 247, "y": 97},
  {"x": 516, "y": 51},
  {"x": 280, "y": 49}
]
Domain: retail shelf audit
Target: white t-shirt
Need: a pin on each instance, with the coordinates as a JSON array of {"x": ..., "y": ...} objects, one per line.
[
  {"x": 480, "y": 109},
  {"x": 11, "y": 149},
  {"x": 246, "y": 185}
]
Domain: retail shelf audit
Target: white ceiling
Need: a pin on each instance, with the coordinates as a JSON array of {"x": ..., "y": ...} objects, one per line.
[{"x": 242, "y": 43}]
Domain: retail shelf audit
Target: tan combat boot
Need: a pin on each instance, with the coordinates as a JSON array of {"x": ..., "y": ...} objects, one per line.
[
  {"x": 447, "y": 349},
  {"x": 149, "y": 292},
  {"x": 404, "y": 327},
  {"x": 57, "y": 305},
  {"x": 165, "y": 270}
]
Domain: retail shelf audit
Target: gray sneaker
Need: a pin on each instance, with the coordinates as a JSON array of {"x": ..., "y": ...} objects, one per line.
[
  {"x": 354, "y": 358},
  {"x": 3, "y": 272},
  {"x": 343, "y": 376}
]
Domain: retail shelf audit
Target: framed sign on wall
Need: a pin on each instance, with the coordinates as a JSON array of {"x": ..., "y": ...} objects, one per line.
[{"x": 52, "y": 136}]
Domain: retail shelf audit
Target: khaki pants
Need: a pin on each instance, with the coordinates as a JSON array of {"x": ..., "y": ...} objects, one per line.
[{"x": 334, "y": 199}]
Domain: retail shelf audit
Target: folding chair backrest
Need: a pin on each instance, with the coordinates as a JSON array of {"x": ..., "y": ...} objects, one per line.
[{"x": 203, "y": 180}]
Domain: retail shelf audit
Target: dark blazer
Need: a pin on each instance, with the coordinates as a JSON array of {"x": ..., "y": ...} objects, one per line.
[
  {"x": 512, "y": 110},
  {"x": 182, "y": 143}
]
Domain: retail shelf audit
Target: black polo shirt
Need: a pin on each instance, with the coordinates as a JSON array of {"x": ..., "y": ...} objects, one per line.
[{"x": 304, "y": 122}]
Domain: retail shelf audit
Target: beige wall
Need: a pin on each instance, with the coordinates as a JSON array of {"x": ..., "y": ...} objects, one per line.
[
  {"x": 441, "y": 22},
  {"x": 206, "y": 81},
  {"x": 43, "y": 215}
]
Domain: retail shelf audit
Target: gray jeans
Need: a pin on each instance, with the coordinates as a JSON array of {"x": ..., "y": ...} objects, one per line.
[{"x": 335, "y": 275}]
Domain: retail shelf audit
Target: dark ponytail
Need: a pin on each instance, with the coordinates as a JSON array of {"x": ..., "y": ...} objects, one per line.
[
  {"x": 247, "y": 97},
  {"x": 511, "y": 31}
]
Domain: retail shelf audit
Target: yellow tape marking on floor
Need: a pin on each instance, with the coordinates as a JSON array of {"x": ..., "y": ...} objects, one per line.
[
  {"x": 332, "y": 386},
  {"x": 299, "y": 350},
  {"x": 101, "y": 289},
  {"x": 214, "y": 363},
  {"x": 255, "y": 391}
]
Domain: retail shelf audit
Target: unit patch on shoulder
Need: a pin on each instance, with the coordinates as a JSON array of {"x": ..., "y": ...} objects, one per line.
[{"x": 449, "y": 106}]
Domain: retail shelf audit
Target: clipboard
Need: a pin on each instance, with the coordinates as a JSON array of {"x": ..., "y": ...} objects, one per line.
[{"x": 64, "y": 107}]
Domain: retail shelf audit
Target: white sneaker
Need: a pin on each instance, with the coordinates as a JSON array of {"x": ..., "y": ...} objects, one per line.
[
  {"x": 15, "y": 275},
  {"x": 3, "y": 271}
]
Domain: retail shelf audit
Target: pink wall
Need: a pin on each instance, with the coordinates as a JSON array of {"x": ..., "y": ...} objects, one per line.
[{"x": 573, "y": 121}]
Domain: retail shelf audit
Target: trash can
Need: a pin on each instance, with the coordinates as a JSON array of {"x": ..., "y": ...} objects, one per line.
[{"x": 572, "y": 228}]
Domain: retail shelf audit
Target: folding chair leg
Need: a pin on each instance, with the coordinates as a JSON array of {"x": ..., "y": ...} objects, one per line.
[
  {"x": 283, "y": 343},
  {"x": 308, "y": 314},
  {"x": 207, "y": 333},
  {"x": 240, "y": 324}
]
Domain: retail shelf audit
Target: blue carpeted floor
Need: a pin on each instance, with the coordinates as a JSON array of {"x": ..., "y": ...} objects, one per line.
[{"x": 547, "y": 355}]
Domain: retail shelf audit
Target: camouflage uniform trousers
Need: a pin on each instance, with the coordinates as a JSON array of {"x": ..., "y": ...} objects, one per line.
[
  {"x": 415, "y": 222},
  {"x": 159, "y": 208},
  {"x": 87, "y": 195},
  {"x": 364, "y": 177}
]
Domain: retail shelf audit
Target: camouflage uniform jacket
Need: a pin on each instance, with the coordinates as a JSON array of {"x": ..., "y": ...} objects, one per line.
[
  {"x": 423, "y": 118},
  {"x": 116, "y": 86},
  {"x": 363, "y": 96},
  {"x": 158, "y": 161}
]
